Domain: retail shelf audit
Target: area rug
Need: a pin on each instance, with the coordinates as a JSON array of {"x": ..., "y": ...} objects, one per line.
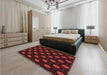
[{"x": 53, "y": 61}]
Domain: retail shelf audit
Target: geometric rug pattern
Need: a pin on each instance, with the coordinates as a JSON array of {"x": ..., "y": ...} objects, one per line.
[{"x": 53, "y": 61}]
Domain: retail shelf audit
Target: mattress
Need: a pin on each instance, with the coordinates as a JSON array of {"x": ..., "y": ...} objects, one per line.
[{"x": 67, "y": 38}]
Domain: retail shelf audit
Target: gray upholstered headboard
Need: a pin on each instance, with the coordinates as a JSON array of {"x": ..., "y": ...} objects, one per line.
[{"x": 80, "y": 31}]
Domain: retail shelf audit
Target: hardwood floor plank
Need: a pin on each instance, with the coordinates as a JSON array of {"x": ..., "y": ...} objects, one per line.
[{"x": 90, "y": 60}]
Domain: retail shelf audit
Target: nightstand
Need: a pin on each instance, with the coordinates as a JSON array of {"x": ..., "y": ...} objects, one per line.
[{"x": 91, "y": 39}]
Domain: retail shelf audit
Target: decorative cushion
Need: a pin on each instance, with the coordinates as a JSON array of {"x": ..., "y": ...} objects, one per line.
[
  {"x": 74, "y": 31},
  {"x": 70, "y": 31},
  {"x": 66, "y": 31}
]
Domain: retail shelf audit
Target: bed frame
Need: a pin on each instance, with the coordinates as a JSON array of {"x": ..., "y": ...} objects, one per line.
[{"x": 65, "y": 47}]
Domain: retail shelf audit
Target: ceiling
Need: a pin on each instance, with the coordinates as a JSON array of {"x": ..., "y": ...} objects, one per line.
[{"x": 39, "y": 4}]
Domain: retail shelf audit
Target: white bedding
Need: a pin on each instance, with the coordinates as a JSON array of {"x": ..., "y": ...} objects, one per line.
[{"x": 67, "y": 37}]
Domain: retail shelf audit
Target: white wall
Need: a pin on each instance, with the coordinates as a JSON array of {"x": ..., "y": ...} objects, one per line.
[
  {"x": 70, "y": 18},
  {"x": 80, "y": 16},
  {"x": 103, "y": 23}
]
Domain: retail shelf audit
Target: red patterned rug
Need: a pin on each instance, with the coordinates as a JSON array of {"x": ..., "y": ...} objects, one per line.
[{"x": 55, "y": 62}]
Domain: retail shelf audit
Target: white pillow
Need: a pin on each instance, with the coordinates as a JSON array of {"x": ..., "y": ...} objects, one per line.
[
  {"x": 69, "y": 31},
  {"x": 66, "y": 31},
  {"x": 74, "y": 31}
]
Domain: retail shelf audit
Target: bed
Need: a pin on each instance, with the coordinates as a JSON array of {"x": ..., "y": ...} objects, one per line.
[{"x": 63, "y": 44}]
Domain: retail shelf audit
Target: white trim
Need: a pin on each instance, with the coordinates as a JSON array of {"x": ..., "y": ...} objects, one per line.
[
  {"x": 103, "y": 51},
  {"x": 78, "y": 3}
]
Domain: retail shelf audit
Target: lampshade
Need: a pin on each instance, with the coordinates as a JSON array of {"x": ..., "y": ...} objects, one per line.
[
  {"x": 55, "y": 28},
  {"x": 90, "y": 27}
]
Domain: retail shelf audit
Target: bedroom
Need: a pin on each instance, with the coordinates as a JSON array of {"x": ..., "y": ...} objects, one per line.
[{"x": 71, "y": 31}]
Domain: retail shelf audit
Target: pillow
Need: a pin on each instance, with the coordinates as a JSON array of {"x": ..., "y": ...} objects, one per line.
[
  {"x": 74, "y": 31},
  {"x": 66, "y": 31},
  {"x": 69, "y": 31}
]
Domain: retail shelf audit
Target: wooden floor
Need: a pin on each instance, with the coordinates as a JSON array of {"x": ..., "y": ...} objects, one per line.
[{"x": 90, "y": 60}]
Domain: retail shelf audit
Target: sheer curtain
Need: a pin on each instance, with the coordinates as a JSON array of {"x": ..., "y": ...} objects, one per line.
[
  {"x": 91, "y": 16},
  {"x": 55, "y": 20},
  {"x": 88, "y": 15},
  {"x": 14, "y": 15}
]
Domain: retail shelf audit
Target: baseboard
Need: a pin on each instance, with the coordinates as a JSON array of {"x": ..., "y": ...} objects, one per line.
[{"x": 103, "y": 51}]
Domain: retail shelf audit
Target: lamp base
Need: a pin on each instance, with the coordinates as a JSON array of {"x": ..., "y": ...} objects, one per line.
[{"x": 90, "y": 31}]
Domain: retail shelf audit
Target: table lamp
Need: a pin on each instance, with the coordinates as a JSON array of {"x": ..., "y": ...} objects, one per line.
[
  {"x": 55, "y": 28},
  {"x": 90, "y": 28}
]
